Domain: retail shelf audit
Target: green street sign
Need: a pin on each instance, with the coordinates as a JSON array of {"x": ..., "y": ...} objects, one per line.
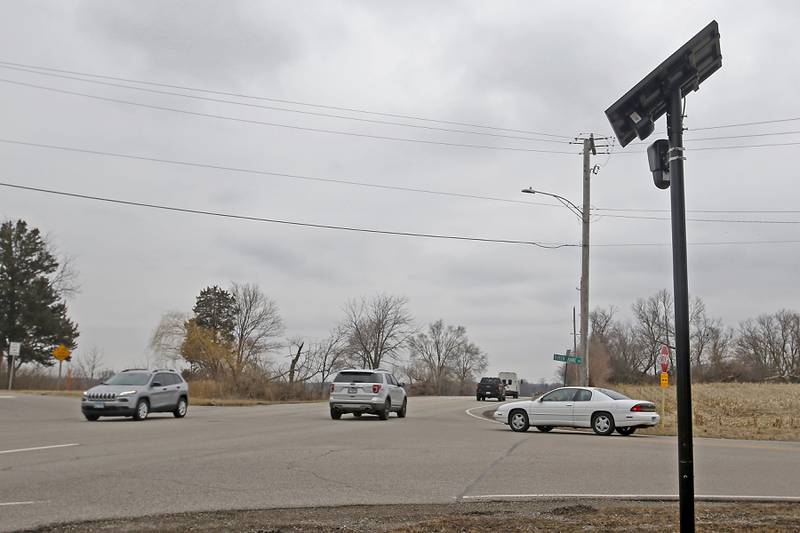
[{"x": 569, "y": 359}]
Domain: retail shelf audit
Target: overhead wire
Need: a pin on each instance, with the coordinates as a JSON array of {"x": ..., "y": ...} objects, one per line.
[
  {"x": 278, "y": 125},
  {"x": 287, "y": 101},
  {"x": 284, "y": 109},
  {"x": 163, "y": 207}
]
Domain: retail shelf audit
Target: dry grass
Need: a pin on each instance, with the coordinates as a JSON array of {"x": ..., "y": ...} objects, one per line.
[{"x": 729, "y": 410}]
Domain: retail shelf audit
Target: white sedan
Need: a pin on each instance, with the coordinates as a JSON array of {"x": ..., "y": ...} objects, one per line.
[{"x": 603, "y": 410}]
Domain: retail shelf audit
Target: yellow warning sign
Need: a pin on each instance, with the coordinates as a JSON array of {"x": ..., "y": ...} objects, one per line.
[
  {"x": 61, "y": 352},
  {"x": 664, "y": 380}
]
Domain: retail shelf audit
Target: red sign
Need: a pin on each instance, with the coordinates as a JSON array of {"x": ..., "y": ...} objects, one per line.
[{"x": 663, "y": 358}]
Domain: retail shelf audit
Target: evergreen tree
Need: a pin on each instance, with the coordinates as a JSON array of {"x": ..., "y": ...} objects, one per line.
[
  {"x": 32, "y": 310},
  {"x": 215, "y": 310}
]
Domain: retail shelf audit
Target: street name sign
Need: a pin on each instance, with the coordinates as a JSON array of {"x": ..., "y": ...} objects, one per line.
[{"x": 570, "y": 359}]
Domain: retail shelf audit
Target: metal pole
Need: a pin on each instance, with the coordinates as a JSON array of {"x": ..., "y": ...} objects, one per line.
[
  {"x": 588, "y": 147},
  {"x": 681, "y": 286},
  {"x": 10, "y": 371}
]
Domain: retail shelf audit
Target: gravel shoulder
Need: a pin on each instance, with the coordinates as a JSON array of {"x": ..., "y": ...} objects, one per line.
[{"x": 553, "y": 515}]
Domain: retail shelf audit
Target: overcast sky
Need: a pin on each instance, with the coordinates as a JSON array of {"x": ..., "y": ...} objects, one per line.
[{"x": 545, "y": 67}]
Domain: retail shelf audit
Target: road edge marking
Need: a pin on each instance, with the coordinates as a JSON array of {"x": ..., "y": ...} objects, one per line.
[
  {"x": 36, "y": 448},
  {"x": 630, "y": 497},
  {"x": 5, "y": 504},
  {"x": 468, "y": 411}
]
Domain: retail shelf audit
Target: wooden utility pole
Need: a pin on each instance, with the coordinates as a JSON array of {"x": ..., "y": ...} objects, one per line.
[{"x": 588, "y": 150}]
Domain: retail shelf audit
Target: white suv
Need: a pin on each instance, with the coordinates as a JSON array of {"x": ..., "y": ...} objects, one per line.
[{"x": 360, "y": 391}]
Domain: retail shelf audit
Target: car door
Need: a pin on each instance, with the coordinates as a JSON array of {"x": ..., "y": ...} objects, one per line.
[
  {"x": 395, "y": 391},
  {"x": 554, "y": 408},
  {"x": 582, "y": 408},
  {"x": 159, "y": 391}
]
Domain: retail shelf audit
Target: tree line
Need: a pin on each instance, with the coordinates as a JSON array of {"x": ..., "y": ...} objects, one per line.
[
  {"x": 237, "y": 339},
  {"x": 762, "y": 348}
]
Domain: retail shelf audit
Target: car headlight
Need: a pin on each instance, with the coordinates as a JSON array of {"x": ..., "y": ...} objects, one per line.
[
  {"x": 126, "y": 393},
  {"x": 86, "y": 393}
]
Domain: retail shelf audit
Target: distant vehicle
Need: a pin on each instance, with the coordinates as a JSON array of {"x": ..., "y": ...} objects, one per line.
[
  {"x": 490, "y": 388},
  {"x": 511, "y": 383},
  {"x": 603, "y": 410},
  {"x": 137, "y": 393},
  {"x": 360, "y": 391}
]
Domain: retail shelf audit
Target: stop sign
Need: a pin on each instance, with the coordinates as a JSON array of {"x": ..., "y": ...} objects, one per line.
[{"x": 663, "y": 358}]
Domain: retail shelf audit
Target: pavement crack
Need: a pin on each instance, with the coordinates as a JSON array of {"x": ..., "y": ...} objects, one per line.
[{"x": 488, "y": 469}]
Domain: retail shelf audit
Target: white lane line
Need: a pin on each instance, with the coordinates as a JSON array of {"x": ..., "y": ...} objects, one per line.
[
  {"x": 479, "y": 417},
  {"x": 631, "y": 497},
  {"x": 7, "y": 397},
  {"x": 3, "y": 504},
  {"x": 39, "y": 448}
]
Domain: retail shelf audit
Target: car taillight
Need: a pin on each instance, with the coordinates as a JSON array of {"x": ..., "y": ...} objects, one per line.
[
  {"x": 333, "y": 387},
  {"x": 643, "y": 407},
  {"x": 376, "y": 389}
]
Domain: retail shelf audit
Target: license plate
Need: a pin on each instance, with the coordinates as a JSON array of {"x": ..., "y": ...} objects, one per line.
[
  {"x": 99, "y": 405},
  {"x": 352, "y": 390}
]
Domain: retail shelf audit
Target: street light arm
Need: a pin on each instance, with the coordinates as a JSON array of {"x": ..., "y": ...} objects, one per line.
[{"x": 564, "y": 201}]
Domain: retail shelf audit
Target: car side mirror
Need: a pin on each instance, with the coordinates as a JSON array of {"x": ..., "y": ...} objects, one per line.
[
  {"x": 156, "y": 384},
  {"x": 403, "y": 385}
]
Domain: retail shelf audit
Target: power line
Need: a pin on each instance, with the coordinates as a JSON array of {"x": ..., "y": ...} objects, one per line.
[
  {"x": 737, "y": 211},
  {"x": 279, "y": 221},
  {"x": 277, "y": 125},
  {"x": 285, "y": 101},
  {"x": 730, "y": 147},
  {"x": 724, "y": 220},
  {"x": 288, "y": 110},
  {"x": 365, "y": 184},
  {"x": 269, "y": 173},
  {"x": 713, "y": 243}
]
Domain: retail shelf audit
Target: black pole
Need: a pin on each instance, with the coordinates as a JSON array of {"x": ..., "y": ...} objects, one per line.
[{"x": 681, "y": 286}]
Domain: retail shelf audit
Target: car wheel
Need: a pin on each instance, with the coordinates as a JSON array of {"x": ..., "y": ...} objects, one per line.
[
  {"x": 626, "y": 431},
  {"x": 518, "y": 420},
  {"x": 477, "y": 398},
  {"x": 357, "y": 415},
  {"x": 336, "y": 414},
  {"x": 501, "y": 399},
  {"x": 402, "y": 412},
  {"x": 383, "y": 414},
  {"x": 142, "y": 410},
  {"x": 544, "y": 429},
  {"x": 91, "y": 418},
  {"x": 181, "y": 408},
  {"x": 603, "y": 423}
]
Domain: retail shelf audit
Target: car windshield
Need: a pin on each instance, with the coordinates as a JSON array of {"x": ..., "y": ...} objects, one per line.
[
  {"x": 614, "y": 395},
  {"x": 129, "y": 378},
  {"x": 358, "y": 377},
  {"x": 490, "y": 380}
]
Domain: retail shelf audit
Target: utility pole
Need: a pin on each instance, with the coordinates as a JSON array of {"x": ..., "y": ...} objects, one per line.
[{"x": 588, "y": 146}]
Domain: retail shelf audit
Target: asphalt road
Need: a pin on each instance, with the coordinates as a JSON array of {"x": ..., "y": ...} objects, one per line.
[{"x": 295, "y": 455}]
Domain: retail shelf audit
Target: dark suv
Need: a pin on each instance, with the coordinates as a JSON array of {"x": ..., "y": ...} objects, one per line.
[
  {"x": 492, "y": 388},
  {"x": 137, "y": 393}
]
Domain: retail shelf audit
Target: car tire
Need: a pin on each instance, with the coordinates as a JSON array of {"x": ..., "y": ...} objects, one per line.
[
  {"x": 181, "y": 408},
  {"x": 501, "y": 399},
  {"x": 477, "y": 398},
  {"x": 544, "y": 429},
  {"x": 142, "y": 410},
  {"x": 383, "y": 414},
  {"x": 336, "y": 414},
  {"x": 357, "y": 415},
  {"x": 402, "y": 412},
  {"x": 518, "y": 421},
  {"x": 603, "y": 423},
  {"x": 91, "y": 418},
  {"x": 626, "y": 431}
]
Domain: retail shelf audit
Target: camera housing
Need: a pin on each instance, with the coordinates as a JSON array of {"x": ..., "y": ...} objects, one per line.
[
  {"x": 634, "y": 114},
  {"x": 659, "y": 162}
]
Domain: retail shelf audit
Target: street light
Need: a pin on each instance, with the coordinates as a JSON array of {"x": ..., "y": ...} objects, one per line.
[{"x": 583, "y": 215}]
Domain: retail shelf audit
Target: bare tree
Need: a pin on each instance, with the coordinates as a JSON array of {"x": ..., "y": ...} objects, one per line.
[
  {"x": 377, "y": 329},
  {"x": 770, "y": 344},
  {"x": 438, "y": 349},
  {"x": 470, "y": 360},
  {"x": 169, "y": 335},
  {"x": 653, "y": 326},
  {"x": 329, "y": 354},
  {"x": 89, "y": 364},
  {"x": 257, "y": 326}
]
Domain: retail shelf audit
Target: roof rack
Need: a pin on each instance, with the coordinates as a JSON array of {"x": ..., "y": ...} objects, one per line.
[{"x": 137, "y": 369}]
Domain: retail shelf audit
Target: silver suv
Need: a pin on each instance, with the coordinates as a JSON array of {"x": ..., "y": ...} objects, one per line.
[
  {"x": 137, "y": 393},
  {"x": 360, "y": 391}
]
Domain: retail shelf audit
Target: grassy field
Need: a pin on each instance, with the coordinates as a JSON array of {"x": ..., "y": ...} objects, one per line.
[
  {"x": 230, "y": 402},
  {"x": 729, "y": 410}
]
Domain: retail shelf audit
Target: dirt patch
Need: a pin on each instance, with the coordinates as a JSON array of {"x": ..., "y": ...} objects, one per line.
[{"x": 564, "y": 516}]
